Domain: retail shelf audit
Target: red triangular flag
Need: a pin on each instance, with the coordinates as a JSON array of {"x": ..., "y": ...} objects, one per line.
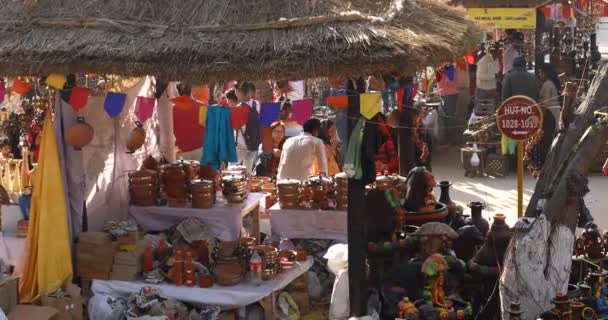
[{"x": 79, "y": 98}]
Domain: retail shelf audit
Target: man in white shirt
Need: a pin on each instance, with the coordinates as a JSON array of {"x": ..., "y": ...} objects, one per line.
[
  {"x": 487, "y": 68},
  {"x": 299, "y": 153},
  {"x": 511, "y": 52}
]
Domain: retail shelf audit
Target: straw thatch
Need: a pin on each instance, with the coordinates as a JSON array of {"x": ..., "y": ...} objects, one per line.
[{"x": 213, "y": 39}]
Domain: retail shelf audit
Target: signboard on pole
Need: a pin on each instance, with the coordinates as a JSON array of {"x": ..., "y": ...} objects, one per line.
[
  {"x": 504, "y": 18},
  {"x": 519, "y": 118}
]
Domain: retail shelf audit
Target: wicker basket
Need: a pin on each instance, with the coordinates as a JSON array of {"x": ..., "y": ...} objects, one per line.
[{"x": 497, "y": 165}]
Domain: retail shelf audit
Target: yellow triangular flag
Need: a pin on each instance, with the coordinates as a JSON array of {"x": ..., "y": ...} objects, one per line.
[
  {"x": 202, "y": 115},
  {"x": 370, "y": 103},
  {"x": 56, "y": 80},
  {"x": 48, "y": 260}
]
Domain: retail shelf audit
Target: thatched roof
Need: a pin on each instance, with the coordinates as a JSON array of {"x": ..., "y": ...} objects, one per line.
[
  {"x": 228, "y": 39},
  {"x": 502, "y": 3}
]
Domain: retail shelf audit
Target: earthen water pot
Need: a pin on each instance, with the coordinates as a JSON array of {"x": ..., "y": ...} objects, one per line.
[
  {"x": 150, "y": 163},
  {"x": 79, "y": 134},
  {"x": 174, "y": 173},
  {"x": 136, "y": 137}
]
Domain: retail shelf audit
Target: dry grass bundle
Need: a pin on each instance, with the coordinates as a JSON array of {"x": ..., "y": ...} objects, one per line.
[{"x": 212, "y": 40}]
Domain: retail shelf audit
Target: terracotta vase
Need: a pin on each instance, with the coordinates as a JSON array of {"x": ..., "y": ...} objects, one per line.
[
  {"x": 453, "y": 219},
  {"x": 148, "y": 258},
  {"x": 136, "y": 138},
  {"x": 178, "y": 268},
  {"x": 79, "y": 134},
  {"x": 205, "y": 281},
  {"x": 577, "y": 310},
  {"x": 202, "y": 252},
  {"x": 477, "y": 219},
  {"x": 174, "y": 173},
  {"x": 189, "y": 278}
]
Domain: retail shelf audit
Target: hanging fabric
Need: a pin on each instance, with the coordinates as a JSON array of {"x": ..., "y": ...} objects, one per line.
[
  {"x": 238, "y": 116},
  {"x": 48, "y": 260},
  {"x": 219, "y": 145},
  {"x": 352, "y": 164},
  {"x": 2, "y": 91},
  {"x": 202, "y": 115},
  {"x": 21, "y": 87},
  {"x": 337, "y": 101}
]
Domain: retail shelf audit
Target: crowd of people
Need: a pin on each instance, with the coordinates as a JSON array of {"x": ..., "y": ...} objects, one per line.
[
  {"x": 499, "y": 72},
  {"x": 297, "y": 151}
]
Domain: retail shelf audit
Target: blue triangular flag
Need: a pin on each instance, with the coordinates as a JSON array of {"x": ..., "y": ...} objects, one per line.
[
  {"x": 114, "y": 103},
  {"x": 270, "y": 113},
  {"x": 450, "y": 72}
]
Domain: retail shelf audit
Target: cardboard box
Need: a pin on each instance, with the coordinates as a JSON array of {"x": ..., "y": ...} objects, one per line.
[
  {"x": 124, "y": 272},
  {"x": 130, "y": 239},
  {"x": 134, "y": 258},
  {"x": 91, "y": 273},
  {"x": 69, "y": 306},
  {"x": 96, "y": 238},
  {"x": 96, "y": 253},
  {"x": 9, "y": 293},
  {"x": 23, "y": 312}
]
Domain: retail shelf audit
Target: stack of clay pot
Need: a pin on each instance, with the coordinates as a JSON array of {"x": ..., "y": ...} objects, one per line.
[
  {"x": 143, "y": 187},
  {"x": 203, "y": 193},
  {"x": 270, "y": 260},
  {"x": 269, "y": 189},
  {"x": 191, "y": 169},
  {"x": 256, "y": 183},
  {"x": 341, "y": 186},
  {"x": 174, "y": 185},
  {"x": 318, "y": 189},
  {"x": 289, "y": 193},
  {"x": 235, "y": 188}
]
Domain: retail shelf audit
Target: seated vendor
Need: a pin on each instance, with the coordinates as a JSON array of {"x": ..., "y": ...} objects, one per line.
[
  {"x": 5, "y": 149},
  {"x": 419, "y": 197}
]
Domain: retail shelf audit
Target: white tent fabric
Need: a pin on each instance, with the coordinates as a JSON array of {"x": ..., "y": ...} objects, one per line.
[{"x": 106, "y": 163}]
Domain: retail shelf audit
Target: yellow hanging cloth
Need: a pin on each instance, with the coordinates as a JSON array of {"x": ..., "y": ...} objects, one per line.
[{"x": 48, "y": 261}]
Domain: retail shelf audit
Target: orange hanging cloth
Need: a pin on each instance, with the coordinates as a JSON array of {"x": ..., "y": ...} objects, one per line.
[{"x": 48, "y": 260}]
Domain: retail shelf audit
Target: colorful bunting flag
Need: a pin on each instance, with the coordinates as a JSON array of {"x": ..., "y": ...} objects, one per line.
[
  {"x": 144, "y": 108},
  {"x": 270, "y": 113},
  {"x": 370, "y": 104},
  {"x": 266, "y": 139},
  {"x": 114, "y": 103},
  {"x": 21, "y": 87},
  {"x": 238, "y": 116},
  {"x": 337, "y": 101},
  {"x": 449, "y": 71},
  {"x": 201, "y": 93},
  {"x": 202, "y": 115},
  {"x": 183, "y": 102},
  {"x": 79, "y": 97},
  {"x": 302, "y": 110},
  {"x": 56, "y": 80}
]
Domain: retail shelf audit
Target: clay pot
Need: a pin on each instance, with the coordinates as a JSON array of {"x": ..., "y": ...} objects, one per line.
[
  {"x": 205, "y": 281},
  {"x": 188, "y": 168},
  {"x": 79, "y": 134},
  {"x": 234, "y": 188},
  {"x": 301, "y": 254},
  {"x": 386, "y": 182},
  {"x": 228, "y": 274},
  {"x": 174, "y": 173},
  {"x": 136, "y": 138},
  {"x": 477, "y": 219},
  {"x": 150, "y": 163}
]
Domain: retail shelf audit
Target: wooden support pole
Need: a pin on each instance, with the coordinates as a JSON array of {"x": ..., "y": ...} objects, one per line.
[{"x": 356, "y": 221}]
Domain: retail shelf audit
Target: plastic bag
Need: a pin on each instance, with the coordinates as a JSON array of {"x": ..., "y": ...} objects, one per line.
[
  {"x": 314, "y": 285},
  {"x": 339, "y": 309},
  {"x": 337, "y": 258},
  {"x": 287, "y": 309}
]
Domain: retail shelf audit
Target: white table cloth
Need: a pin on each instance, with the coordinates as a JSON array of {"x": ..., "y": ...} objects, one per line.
[
  {"x": 240, "y": 295},
  {"x": 224, "y": 219},
  {"x": 308, "y": 224}
]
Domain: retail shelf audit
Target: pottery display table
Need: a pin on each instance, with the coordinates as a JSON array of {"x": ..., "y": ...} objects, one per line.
[
  {"x": 224, "y": 220},
  {"x": 308, "y": 224},
  {"x": 236, "y": 296}
]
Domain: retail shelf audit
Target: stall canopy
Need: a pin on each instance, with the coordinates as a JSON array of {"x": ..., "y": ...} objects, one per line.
[
  {"x": 504, "y": 3},
  {"x": 210, "y": 39}
]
